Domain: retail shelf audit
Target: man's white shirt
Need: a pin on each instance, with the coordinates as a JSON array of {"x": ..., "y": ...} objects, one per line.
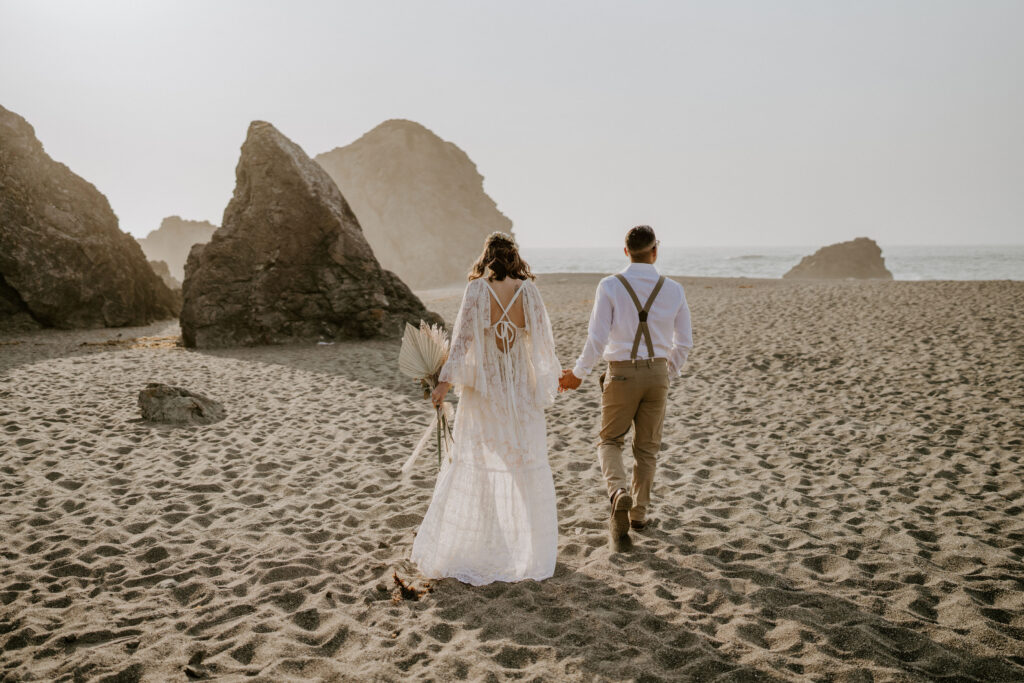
[{"x": 614, "y": 321}]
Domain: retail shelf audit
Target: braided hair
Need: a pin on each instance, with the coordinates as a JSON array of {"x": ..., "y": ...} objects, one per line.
[{"x": 501, "y": 257}]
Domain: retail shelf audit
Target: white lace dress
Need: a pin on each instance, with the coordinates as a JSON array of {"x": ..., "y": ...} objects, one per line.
[{"x": 492, "y": 517}]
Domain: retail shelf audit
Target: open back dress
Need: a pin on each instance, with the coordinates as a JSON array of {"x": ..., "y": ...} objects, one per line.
[{"x": 492, "y": 516}]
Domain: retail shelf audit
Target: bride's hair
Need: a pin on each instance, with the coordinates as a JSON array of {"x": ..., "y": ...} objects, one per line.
[{"x": 501, "y": 256}]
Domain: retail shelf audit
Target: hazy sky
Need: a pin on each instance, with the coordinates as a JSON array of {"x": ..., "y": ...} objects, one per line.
[{"x": 719, "y": 123}]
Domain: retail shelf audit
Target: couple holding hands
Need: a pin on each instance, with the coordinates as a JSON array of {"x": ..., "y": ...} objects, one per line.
[{"x": 493, "y": 515}]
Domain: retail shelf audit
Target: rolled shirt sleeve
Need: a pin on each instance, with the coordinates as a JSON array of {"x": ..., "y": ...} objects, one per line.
[{"x": 682, "y": 339}]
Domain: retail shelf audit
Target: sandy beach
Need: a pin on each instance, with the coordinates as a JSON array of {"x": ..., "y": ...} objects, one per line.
[{"x": 839, "y": 498}]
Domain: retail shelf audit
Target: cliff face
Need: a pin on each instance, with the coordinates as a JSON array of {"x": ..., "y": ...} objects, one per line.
[
  {"x": 419, "y": 199},
  {"x": 64, "y": 262},
  {"x": 164, "y": 273},
  {"x": 290, "y": 261},
  {"x": 171, "y": 242}
]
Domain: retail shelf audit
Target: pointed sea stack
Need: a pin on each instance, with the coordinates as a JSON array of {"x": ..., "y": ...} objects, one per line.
[
  {"x": 859, "y": 259},
  {"x": 420, "y": 200},
  {"x": 64, "y": 262},
  {"x": 289, "y": 262}
]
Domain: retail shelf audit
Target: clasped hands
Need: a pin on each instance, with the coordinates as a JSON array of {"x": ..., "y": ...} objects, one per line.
[{"x": 568, "y": 381}]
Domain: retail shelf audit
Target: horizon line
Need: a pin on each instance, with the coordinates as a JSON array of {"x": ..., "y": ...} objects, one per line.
[{"x": 785, "y": 246}]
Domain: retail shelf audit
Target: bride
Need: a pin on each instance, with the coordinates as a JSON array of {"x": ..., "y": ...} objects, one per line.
[{"x": 492, "y": 517}]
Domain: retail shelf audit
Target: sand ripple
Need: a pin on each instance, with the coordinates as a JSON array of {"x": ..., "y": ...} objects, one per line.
[{"x": 839, "y": 498}]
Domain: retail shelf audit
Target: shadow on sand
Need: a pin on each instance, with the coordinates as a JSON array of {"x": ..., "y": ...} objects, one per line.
[
  {"x": 592, "y": 629},
  {"x": 577, "y": 625},
  {"x": 850, "y": 639}
]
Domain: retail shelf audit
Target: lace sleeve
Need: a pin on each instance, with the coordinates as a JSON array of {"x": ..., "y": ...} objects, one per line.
[
  {"x": 546, "y": 367},
  {"x": 464, "y": 367}
]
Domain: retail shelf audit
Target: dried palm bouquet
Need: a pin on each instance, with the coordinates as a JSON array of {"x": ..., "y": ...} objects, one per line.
[{"x": 424, "y": 352}]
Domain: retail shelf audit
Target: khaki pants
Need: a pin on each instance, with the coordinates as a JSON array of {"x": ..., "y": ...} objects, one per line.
[{"x": 634, "y": 395}]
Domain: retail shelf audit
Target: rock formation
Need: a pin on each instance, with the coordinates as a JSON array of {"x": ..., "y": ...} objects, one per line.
[
  {"x": 290, "y": 261},
  {"x": 173, "y": 239},
  {"x": 174, "y": 405},
  {"x": 860, "y": 258},
  {"x": 14, "y": 314},
  {"x": 164, "y": 273},
  {"x": 420, "y": 200},
  {"x": 63, "y": 259}
]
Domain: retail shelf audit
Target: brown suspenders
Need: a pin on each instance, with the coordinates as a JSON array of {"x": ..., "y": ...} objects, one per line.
[{"x": 642, "y": 330}]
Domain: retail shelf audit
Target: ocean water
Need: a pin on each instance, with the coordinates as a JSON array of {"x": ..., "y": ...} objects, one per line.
[{"x": 904, "y": 262}]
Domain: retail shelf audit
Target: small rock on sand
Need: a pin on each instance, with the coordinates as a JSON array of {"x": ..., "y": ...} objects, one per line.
[{"x": 174, "y": 405}]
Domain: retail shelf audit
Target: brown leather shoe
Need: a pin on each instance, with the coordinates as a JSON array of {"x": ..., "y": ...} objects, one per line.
[
  {"x": 637, "y": 524},
  {"x": 618, "y": 523}
]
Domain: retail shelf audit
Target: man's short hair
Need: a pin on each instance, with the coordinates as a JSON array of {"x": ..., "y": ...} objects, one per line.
[{"x": 640, "y": 239}]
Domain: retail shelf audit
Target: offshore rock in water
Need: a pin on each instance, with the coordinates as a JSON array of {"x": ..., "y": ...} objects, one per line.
[
  {"x": 860, "y": 258},
  {"x": 174, "y": 405},
  {"x": 290, "y": 261},
  {"x": 420, "y": 201},
  {"x": 64, "y": 262}
]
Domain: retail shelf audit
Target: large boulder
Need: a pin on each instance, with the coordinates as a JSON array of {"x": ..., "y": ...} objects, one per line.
[
  {"x": 14, "y": 314},
  {"x": 289, "y": 261},
  {"x": 420, "y": 200},
  {"x": 171, "y": 242},
  {"x": 63, "y": 259},
  {"x": 860, "y": 258}
]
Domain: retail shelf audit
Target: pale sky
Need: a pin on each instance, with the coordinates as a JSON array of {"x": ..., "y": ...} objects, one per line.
[{"x": 719, "y": 123}]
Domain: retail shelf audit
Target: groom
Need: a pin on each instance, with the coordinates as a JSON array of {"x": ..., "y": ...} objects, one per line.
[{"x": 641, "y": 325}]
